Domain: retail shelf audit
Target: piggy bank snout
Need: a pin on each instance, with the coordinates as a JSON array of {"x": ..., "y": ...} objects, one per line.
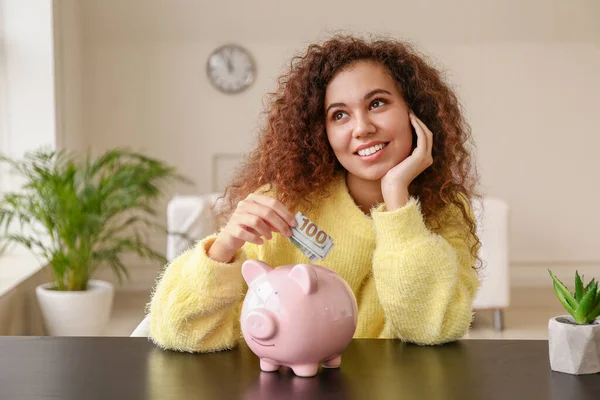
[{"x": 260, "y": 324}]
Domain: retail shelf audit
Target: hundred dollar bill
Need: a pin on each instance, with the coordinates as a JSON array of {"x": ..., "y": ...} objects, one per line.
[
  {"x": 313, "y": 242},
  {"x": 310, "y": 255}
]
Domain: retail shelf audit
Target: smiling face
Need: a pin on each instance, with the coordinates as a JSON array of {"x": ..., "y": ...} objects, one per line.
[{"x": 367, "y": 120}]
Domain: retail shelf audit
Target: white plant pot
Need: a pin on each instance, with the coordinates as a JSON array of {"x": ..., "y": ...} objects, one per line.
[
  {"x": 574, "y": 349},
  {"x": 83, "y": 313}
]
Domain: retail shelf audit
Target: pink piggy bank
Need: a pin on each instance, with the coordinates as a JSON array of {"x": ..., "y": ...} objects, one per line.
[{"x": 297, "y": 316}]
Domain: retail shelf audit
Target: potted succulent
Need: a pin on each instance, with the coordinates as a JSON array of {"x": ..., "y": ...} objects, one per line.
[
  {"x": 574, "y": 339},
  {"x": 77, "y": 215}
]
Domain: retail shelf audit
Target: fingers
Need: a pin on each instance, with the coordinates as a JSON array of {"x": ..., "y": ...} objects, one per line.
[
  {"x": 423, "y": 132},
  {"x": 275, "y": 205},
  {"x": 264, "y": 219},
  {"x": 252, "y": 231},
  {"x": 428, "y": 133},
  {"x": 421, "y": 136},
  {"x": 244, "y": 234},
  {"x": 254, "y": 223},
  {"x": 259, "y": 216},
  {"x": 256, "y": 216}
]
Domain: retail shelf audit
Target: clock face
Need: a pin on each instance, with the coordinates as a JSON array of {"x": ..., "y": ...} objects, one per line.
[{"x": 231, "y": 69}]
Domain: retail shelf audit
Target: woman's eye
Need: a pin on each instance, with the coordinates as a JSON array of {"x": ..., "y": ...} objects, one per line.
[
  {"x": 377, "y": 103},
  {"x": 338, "y": 115}
]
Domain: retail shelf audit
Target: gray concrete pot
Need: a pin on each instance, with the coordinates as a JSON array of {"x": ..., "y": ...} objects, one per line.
[{"x": 574, "y": 349}]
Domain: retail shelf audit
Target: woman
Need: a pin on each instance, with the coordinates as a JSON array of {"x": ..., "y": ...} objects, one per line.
[{"x": 366, "y": 140}]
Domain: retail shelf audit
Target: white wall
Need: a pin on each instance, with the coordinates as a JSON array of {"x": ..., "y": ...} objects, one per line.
[{"x": 527, "y": 72}]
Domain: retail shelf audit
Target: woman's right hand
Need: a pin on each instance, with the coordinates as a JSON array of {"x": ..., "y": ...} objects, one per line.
[{"x": 255, "y": 216}]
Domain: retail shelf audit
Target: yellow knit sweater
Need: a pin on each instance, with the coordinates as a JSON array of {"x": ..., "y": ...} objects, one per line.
[{"x": 409, "y": 283}]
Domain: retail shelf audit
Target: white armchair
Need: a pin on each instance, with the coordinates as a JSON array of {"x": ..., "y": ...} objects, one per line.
[
  {"x": 193, "y": 217},
  {"x": 189, "y": 218}
]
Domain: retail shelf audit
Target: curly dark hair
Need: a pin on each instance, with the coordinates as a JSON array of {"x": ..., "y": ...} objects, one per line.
[{"x": 293, "y": 153}]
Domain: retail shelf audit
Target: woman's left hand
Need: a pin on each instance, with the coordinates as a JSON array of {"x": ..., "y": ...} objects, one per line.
[{"x": 394, "y": 184}]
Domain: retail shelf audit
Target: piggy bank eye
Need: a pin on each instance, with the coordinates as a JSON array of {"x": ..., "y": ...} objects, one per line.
[
  {"x": 273, "y": 303},
  {"x": 276, "y": 292}
]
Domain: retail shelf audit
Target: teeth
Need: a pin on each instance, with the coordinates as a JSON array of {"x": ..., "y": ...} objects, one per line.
[{"x": 371, "y": 150}]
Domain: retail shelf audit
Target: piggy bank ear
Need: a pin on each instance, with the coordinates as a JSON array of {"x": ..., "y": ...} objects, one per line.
[
  {"x": 253, "y": 269},
  {"x": 306, "y": 276}
]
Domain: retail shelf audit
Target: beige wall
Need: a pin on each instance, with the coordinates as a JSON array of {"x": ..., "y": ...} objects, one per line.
[
  {"x": 528, "y": 73},
  {"x": 68, "y": 48}
]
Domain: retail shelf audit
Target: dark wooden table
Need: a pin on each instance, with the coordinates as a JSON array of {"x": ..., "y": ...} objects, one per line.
[{"x": 133, "y": 368}]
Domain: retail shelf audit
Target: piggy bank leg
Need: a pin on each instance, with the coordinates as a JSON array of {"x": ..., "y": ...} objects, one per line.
[
  {"x": 268, "y": 365},
  {"x": 333, "y": 362},
  {"x": 305, "y": 370}
]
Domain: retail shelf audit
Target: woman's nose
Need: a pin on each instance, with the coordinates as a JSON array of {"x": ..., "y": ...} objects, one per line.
[{"x": 364, "y": 126}]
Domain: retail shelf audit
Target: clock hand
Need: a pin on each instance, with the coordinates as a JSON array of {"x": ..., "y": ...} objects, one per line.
[{"x": 229, "y": 65}]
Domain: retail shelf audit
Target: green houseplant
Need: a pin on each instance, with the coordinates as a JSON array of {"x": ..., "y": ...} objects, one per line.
[
  {"x": 79, "y": 214},
  {"x": 574, "y": 338}
]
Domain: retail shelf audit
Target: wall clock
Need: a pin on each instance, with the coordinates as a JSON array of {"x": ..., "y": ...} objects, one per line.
[{"x": 231, "y": 68}]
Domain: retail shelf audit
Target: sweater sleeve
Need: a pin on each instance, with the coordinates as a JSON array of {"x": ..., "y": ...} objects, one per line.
[
  {"x": 197, "y": 302},
  {"x": 425, "y": 281}
]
